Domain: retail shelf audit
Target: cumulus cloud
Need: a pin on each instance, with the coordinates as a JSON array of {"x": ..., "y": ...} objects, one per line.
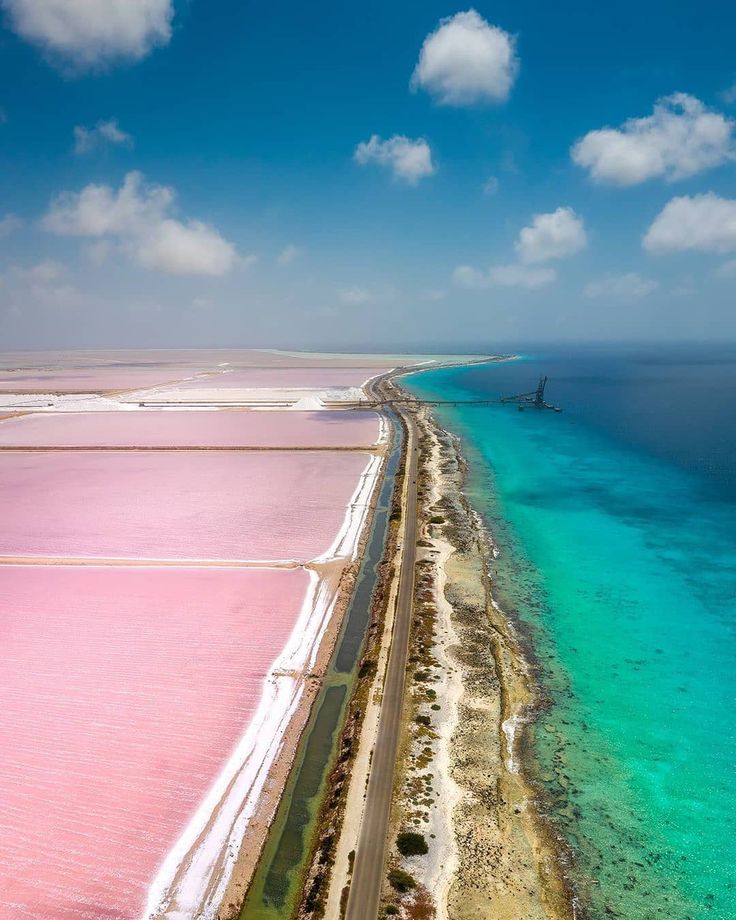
[
  {"x": 629, "y": 286},
  {"x": 549, "y": 236},
  {"x": 191, "y": 248},
  {"x": 92, "y": 33},
  {"x": 409, "y": 160},
  {"x": 552, "y": 236},
  {"x": 103, "y": 134},
  {"x": 702, "y": 222},
  {"x": 679, "y": 139},
  {"x": 514, "y": 275},
  {"x": 9, "y": 224},
  {"x": 138, "y": 217},
  {"x": 288, "y": 254},
  {"x": 467, "y": 61}
]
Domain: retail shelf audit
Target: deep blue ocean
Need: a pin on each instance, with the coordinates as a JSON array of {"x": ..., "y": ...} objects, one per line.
[{"x": 615, "y": 522}]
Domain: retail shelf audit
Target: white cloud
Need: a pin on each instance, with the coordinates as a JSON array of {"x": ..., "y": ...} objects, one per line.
[
  {"x": 355, "y": 296},
  {"x": 9, "y": 224},
  {"x": 549, "y": 236},
  {"x": 91, "y": 33},
  {"x": 703, "y": 222},
  {"x": 727, "y": 270},
  {"x": 104, "y": 133},
  {"x": 514, "y": 275},
  {"x": 552, "y": 236},
  {"x": 288, "y": 254},
  {"x": 409, "y": 160},
  {"x": 629, "y": 286},
  {"x": 466, "y": 61},
  {"x": 191, "y": 248},
  {"x": 490, "y": 186},
  {"x": 681, "y": 138},
  {"x": 99, "y": 210},
  {"x": 138, "y": 217}
]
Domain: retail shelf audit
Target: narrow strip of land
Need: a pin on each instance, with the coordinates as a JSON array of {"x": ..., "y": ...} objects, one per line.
[{"x": 365, "y": 888}]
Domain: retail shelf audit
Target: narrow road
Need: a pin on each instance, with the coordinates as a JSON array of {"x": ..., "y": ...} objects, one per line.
[{"x": 365, "y": 888}]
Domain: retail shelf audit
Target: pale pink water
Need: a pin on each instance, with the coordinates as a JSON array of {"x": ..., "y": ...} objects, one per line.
[
  {"x": 123, "y": 693},
  {"x": 224, "y": 505},
  {"x": 226, "y": 428},
  {"x": 92, "y": 380},
  {"x": 302, "y": 377}
]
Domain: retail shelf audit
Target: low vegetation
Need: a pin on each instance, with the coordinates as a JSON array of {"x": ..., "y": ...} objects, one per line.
[
  {"x": 410, "y": 843},
  {"x": 401, "y": 881}
]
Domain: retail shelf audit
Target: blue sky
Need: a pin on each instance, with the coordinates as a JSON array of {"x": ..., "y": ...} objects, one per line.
[{"x": 257, "y": 209}]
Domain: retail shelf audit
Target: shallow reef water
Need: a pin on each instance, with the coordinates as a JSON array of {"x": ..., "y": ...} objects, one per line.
[{"x": 616, "y": 527}]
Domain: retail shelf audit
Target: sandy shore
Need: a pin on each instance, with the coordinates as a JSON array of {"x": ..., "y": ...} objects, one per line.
[{"x": 460, "y": 782}]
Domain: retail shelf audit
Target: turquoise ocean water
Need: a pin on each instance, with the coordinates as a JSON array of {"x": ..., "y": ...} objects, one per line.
[{"x": 616, "y": 525}]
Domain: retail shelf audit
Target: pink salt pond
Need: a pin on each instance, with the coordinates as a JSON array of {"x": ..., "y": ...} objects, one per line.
[
  {"x": 123, "y": 692},
  {"x": 157, "y": 505},
  {"x": 225, "y": 428}
]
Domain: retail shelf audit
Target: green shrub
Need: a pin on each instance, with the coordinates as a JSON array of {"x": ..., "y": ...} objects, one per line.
[
  {"x": 423, "y": 720},
  {"x": 401, "y": 880},
  {"x": 392, "y": 910},
  {"x": 410, "y": 843}
]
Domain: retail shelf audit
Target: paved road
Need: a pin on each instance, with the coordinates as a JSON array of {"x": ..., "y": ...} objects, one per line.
[{"x": 370, "y": 855}]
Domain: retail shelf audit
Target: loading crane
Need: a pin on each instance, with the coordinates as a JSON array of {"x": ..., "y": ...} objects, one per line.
[{"x": 534, "y": 400}]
